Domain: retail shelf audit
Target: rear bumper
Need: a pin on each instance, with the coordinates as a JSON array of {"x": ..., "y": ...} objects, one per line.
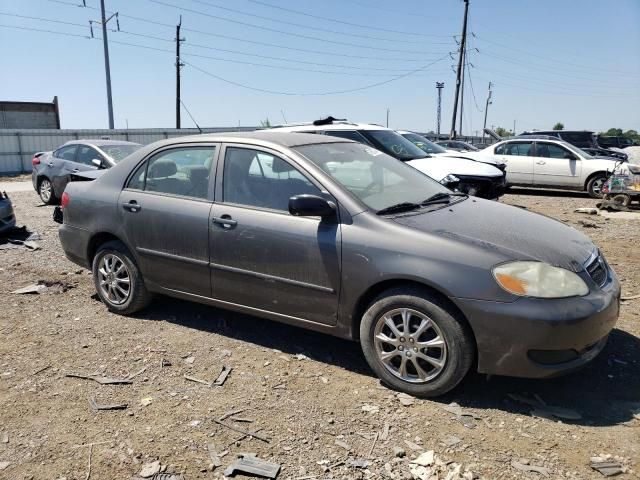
[
  {"x": 490, "y": 188},
  {"x": 537, "y": 338},
  {"x": 75, "y": 244}
]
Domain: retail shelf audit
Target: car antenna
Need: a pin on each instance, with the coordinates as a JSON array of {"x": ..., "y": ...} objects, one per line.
[{"x": 191, "y": 116}]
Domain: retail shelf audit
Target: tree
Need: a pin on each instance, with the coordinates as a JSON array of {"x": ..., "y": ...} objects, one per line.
[
  {"x": 265, "y": 123},
  {"x": 503, "y": 132},
  {"x": 613, "y": 132},
  {"x": 558, "y": 126}
]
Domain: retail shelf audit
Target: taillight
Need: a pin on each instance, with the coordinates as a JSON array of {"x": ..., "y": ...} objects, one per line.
[
  {"x": 64, "y": 201},
  {"x": 35, "y": 161}
]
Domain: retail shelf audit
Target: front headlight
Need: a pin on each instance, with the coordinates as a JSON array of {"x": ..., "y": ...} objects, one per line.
[{"x": 537, "y": 279}]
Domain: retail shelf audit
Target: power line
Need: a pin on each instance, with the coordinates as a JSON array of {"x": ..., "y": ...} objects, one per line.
[
  {"x": 351, "y": 24},
  {"x": 66, "y": 34},
  {"x": 281, "y": 32},
  {"x": 319, "y": 29}
]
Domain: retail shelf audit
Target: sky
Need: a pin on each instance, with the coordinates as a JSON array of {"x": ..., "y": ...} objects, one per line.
[{"x": 570, "y": 61}]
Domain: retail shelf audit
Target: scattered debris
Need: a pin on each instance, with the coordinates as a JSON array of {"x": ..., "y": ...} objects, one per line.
[
  {"x": 413, "y": 446},
  {"x": 530, "y": 468},
  {"x": 100, "y": 379},
  {"x": 240, "y": 430},
  {"x": 197, "y": 380},
  {"x": 45, "y": 286},
  {"x": 425, "y": 459},
  {"x": 115, "y": 406},
  {"x": 165, "y": 363},
  {"x": 385, "y": 432},
  {"x": 18, "y": 238},
  {"x": 370, "y": 408},
  {"x": 40, "y": 370},
  {"x": 344, "y": 445},
  {"x": 373, "y": 445},
  {"x": 626, "y": 298},
  {"x": 139, "y": 372},
  {"x": 607, "y": 465},
  {"x": 450, "y": 441},
  {"x": 241, "y": 419},
  {"x": 399, "y": 452},
  {"x": 405, "y": 399},
  {"x": 150, "y": 469},
  {"x": 542, "y": 410},
  {"x": 301, "y": 356},
  {"x": 213, "y": 455},
  {"x": 588, "y": 224},
  {"x": 5, "y": 438},
  {"x": 189, "y": 360},
  {"x": 230, "y": 413},
  {"x": 253, "y": 465},
  {"x": 587, "y": 210},
  {"x": 357, "y": 463},
  {"x": 89, "y": 466},
  {"x": 222, "y": 377},
  {"x": 146, "y": 401},
  {"x": 4, "y": 465},
  {"x": 463, "y": 416}
]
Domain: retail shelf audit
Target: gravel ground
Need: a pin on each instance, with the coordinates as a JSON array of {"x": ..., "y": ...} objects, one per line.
[{"x": 311, "y": 396}]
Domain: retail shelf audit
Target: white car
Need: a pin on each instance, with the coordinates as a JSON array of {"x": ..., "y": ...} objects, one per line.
[
  {"x": 474, "y": 178},
  {"x": 547, "y": 163}
]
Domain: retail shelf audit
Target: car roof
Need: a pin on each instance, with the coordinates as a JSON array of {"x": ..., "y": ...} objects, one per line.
[
  {"x": 543, "y": 132},
  {"x": 265, "y": 137},
  {"x": 99, "y": 142},
  {"x": 304, "y": 127}
]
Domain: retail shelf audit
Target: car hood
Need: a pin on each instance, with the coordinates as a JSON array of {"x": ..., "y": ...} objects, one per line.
[
  {"x": 511, "y": 232},
  {"x": 474, "y": 156},
  {"x": 438, "y": 167}
]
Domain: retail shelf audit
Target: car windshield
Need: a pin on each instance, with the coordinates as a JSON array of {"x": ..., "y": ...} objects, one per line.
[
  {"x": 423, "y": 143},
  {"x": 394, "y": 144},
  {"x": 375, "y": 178},
  {"x": 118, "y": 152}
]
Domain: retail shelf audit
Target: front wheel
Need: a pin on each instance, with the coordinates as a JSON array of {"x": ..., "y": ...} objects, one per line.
[
  {"x": 118, "y": 280},
  {"x": 595, "y": 184},
  {"x": 416, "y": 343}
]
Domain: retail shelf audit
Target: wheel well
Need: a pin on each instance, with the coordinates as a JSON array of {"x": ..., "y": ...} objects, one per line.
[
  {"x": 97, "y": 240},
  {"x": 375, "y": 290},
  {"x": 595, "y": 174}
]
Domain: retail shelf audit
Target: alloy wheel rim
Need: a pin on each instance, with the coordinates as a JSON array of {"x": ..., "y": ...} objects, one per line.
[
  {"x": 114, "y": 279},
  {"x": 410, "y": 345},
  {"x": 597, "y": 186},
  {"x": 45, "y": 190}
]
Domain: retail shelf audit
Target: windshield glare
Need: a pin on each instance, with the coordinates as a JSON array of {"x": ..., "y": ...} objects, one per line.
[
  {"x": 373, "y": 177},
  {"x": 394, "y": 144},
  {"x": 118, "y": 152},
  {"x": 423, "y": 143}
]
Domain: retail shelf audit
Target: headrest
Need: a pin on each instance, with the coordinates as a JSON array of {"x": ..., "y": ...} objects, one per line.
[
  {"x": 198, "y": 172},
  {"x": 162, "y": 169}
]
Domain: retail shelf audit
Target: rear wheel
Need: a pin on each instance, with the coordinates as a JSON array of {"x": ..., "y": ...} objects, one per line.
[
  {"x": 595, "y": 184},
  {"x": 415, "y": 342},
  {"x": 118, "y": 280},
  {"x": 621, "y": 199},
  {"x": 45, "y": 191}
]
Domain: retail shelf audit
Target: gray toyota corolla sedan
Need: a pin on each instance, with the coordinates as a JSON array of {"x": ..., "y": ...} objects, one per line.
[{"x": 335, "y": 236}]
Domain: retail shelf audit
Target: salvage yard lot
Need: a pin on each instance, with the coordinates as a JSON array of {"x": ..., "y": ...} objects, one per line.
[{"x": 311, "y": 396}]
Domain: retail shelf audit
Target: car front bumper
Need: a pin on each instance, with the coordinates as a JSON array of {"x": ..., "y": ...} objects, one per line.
[
  {"x": 490, "y": 188},
  {"x": 537, "y": 338}
]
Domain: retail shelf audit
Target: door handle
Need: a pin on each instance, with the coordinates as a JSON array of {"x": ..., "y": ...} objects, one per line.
[
  {"x": 225, "y": 221},
  {"x": 541, "y": 162},
  {"x": 76, "y": 170},
  {"x": 132, "y": 206},
  {"x": 50, "y": 164}
]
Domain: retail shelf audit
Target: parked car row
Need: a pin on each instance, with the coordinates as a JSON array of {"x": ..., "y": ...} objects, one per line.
[{"x": 338, "y": 236}]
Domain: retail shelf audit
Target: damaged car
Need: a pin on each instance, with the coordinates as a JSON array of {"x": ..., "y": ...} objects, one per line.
[{"x": 335, "y": 236}]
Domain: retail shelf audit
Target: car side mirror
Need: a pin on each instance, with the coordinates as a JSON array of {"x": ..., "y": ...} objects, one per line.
[
  {"x": 311, "y": 206},
  {"x": 97, "y": 162}
]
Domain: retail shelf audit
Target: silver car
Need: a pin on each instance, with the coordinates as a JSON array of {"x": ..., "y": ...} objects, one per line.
[
  {"x": 52, "y": 170},
  {"x": 336, "y": 236}
]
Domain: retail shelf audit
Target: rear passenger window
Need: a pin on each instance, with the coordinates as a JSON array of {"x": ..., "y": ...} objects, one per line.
[
  {"x": 183, "y": 171},
  {"x": 66, "y": 153},
  {"x": 519, "y": 148}
]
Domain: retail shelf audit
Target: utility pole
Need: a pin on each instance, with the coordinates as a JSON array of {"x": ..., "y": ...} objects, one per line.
[
  {"x": 486, "y": 110},
  {"x": 514, "y": 128},
  {"x": 179, "y": 65},
  {"x": 439, "y": 86},
  {"x": 387, "y": 117},
  {"x": 105, "y": 43},
  {"x": 463, "y": 44},
  {"x": 464, "y": 66}
]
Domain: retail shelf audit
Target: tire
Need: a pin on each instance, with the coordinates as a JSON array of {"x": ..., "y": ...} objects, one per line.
[
  {"x": 112, "y": 266},
  {"x": 456, "y": 355},
  {"x": 594, "y": 185},
  {"x": 45, "y": 191},
  {"x": 621, "y": 199}
]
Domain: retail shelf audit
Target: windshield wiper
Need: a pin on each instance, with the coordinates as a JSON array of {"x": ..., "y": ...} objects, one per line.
[
  {"x": 398, "y": 208},
  {"x": 442, "y": 197}
]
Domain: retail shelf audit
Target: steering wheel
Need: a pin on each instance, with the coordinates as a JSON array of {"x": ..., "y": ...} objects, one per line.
[{"x": 398, "y": 149}]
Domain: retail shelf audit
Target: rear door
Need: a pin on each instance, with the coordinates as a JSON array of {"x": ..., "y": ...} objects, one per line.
[
  {"x": 518, "y": 156},
  {"x": 556, "y": 165},
  {"x": 165, "y": 209},
  {"x": 61, "y": 164},
  {"x": 262, "y": 257}
]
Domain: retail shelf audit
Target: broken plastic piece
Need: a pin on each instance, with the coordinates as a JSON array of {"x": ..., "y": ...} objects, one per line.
[{"x": 253, "y": 465}]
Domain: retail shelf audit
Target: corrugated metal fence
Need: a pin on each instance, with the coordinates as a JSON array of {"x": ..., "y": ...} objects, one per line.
[{"x": 17, "y": 146}]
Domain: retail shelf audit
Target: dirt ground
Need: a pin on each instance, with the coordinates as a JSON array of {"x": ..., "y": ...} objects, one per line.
[{"x": 311, "y": 396}]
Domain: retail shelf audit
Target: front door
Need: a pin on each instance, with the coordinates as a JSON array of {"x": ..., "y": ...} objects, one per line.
[
  {"x": 261, "y": 256},
  {"x": 518, "y": 156},
  {"x": 63, "y": 162},
  {"x": 556, "y": 165},
  {"x": 165, "y": 210}
]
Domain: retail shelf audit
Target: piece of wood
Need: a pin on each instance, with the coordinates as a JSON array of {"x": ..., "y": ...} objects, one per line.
[
  {"x": 197, "y": 380},
  {"x": 113, "y": 406},
  {"x": 226, "y": 415},
  {"x": 89, "y": 469},
  {"x": 240, "y": 430},
  {"x": 224, "y": 373},
  {"x": 373, "y": 445},
  {"x": 213, "y": 455},
  {"x": 100, "y": 379}
]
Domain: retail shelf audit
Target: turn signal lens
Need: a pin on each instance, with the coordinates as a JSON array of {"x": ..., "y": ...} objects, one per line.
[{"x": 538, "y": 279}]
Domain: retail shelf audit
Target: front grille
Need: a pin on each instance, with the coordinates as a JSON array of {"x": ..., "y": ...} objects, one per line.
[{"x": 597, "y": 270}]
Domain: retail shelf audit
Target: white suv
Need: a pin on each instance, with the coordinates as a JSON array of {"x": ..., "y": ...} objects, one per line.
[
  {"x": 544, "y": 162},
  {"x": 467, "y": 176}
]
